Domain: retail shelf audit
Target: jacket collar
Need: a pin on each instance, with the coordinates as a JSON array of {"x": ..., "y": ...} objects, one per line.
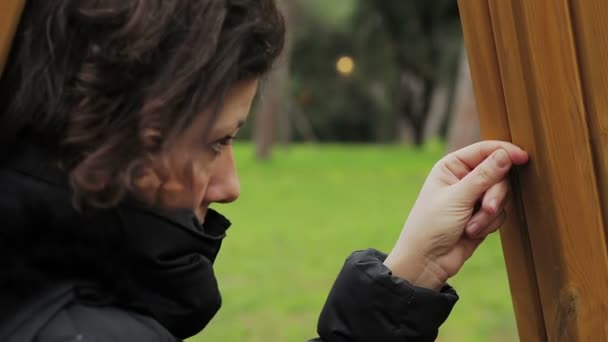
[{"x": 165, "y": 257}]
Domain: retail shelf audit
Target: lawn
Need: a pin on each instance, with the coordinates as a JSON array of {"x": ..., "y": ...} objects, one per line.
[{"x": 300, "y": 216}]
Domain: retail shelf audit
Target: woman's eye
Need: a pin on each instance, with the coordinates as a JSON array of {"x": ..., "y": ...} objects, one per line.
[{"x": 219, "y": 145}]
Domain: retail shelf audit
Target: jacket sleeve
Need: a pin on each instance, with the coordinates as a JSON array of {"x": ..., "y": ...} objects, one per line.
[{"x": 368, "y": 303}]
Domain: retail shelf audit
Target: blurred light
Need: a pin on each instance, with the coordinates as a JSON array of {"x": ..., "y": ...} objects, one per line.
[{"x": 345, "y": 65}]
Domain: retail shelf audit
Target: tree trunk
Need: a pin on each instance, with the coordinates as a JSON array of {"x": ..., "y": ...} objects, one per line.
[
  {"x": 415, "y": 95},
  {"x": 464, "y": 126},
  {"x": 272, "y": 119},
  {"x": 438, "y": 112}
]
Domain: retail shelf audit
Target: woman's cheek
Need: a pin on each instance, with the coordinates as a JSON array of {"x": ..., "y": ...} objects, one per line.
[
  {"x": 146, "y": 188},
  {"x": 201, "y": 175},
  {"x": 173, "y": 194}
]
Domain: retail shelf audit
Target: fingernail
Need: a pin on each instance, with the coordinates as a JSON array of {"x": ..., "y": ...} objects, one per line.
[
  {"x": 494, "y": 205},
  {"x": 501, "y": 157},
  {"x": 473, "y": 229}
]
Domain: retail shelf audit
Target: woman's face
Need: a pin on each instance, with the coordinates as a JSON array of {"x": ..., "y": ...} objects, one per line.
[{"x": 207, "y": 157}]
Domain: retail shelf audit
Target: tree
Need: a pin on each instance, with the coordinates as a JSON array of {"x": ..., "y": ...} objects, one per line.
[
  {"x": 425, "y": 37},
  {"x": 273, "y": 111},
  {"x": 464, "y": 126},
  {"x": 334, "y": 106}
]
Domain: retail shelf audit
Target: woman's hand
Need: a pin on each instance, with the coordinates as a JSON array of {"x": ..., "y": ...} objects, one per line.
[{"x": 444, "y": 228}]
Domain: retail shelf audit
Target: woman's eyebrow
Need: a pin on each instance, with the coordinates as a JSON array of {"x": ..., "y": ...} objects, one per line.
[
  {"x": 240, "y": 123},
  {"x": 230, "y": 132}
]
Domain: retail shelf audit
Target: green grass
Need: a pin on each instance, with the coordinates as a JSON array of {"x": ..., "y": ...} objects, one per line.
[{"x": 303, "y": 213}]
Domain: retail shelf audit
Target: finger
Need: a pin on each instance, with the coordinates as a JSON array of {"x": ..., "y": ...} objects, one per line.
[
  {"x": 495, "y": 198},
  {"x": 473, "y": 155},
  {"x": 479, "y": 222},
  {"x": 491, "y": 171},
  {"x": 455, "y": 166},
  {"x": 493, "y": 226}
]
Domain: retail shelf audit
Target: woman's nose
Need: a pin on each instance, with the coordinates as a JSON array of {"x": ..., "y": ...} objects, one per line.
[{"x": 224, "y": 185}]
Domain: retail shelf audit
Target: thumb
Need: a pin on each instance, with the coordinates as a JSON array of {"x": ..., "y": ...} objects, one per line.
[{"x": 491, "y": 171}]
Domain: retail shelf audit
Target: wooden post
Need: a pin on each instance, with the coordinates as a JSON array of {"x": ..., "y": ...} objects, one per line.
[
  {"x": 542, "y": 48},
  {"x": 479, "y": 41},
  {"x": 10, "y": 13},
  {"x": 589, "y": 19}
]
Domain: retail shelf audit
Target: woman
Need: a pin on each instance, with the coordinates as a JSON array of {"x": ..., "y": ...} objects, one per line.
[{"x": 117, "y": 119}]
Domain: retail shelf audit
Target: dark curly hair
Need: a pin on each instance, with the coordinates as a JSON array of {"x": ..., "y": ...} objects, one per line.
[{"x": 105, "y": 85}]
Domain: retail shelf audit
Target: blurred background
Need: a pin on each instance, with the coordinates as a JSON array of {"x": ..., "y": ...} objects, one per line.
[{"x": 368, "y": 95}]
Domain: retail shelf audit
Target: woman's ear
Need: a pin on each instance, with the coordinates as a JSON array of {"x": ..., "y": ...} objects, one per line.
[{"x": 10, "y": 15}]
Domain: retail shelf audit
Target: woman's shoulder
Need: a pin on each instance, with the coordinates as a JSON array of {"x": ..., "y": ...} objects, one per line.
[
  {"x": 80, "y": 322},
  {"x": 62, "y": 313}
]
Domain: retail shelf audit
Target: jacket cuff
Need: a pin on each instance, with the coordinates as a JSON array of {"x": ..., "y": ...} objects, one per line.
[{"x": 368, "y": 303}]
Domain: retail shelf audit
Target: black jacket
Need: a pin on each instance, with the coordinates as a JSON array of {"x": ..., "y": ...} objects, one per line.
[{"x": 136, "y": 274}]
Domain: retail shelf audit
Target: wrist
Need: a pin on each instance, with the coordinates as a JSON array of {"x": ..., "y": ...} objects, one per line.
[{"x": 418, "y": 271}]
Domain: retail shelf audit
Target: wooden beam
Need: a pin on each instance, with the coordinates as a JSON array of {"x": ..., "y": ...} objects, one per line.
[
  {"x": 589, "y": 22},
  {"x": 479, "y": 40},
  {"x": 10, "y": 13},
  {"x": 545, "y": 105}
]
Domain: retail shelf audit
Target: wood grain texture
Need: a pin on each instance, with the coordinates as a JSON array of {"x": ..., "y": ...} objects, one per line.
[
  {"x": 591, "y": 35},
  {"x": 10, "y": 12},
  {"x": 545, "y": 104},
  {"x": 479, "y": 40}
]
